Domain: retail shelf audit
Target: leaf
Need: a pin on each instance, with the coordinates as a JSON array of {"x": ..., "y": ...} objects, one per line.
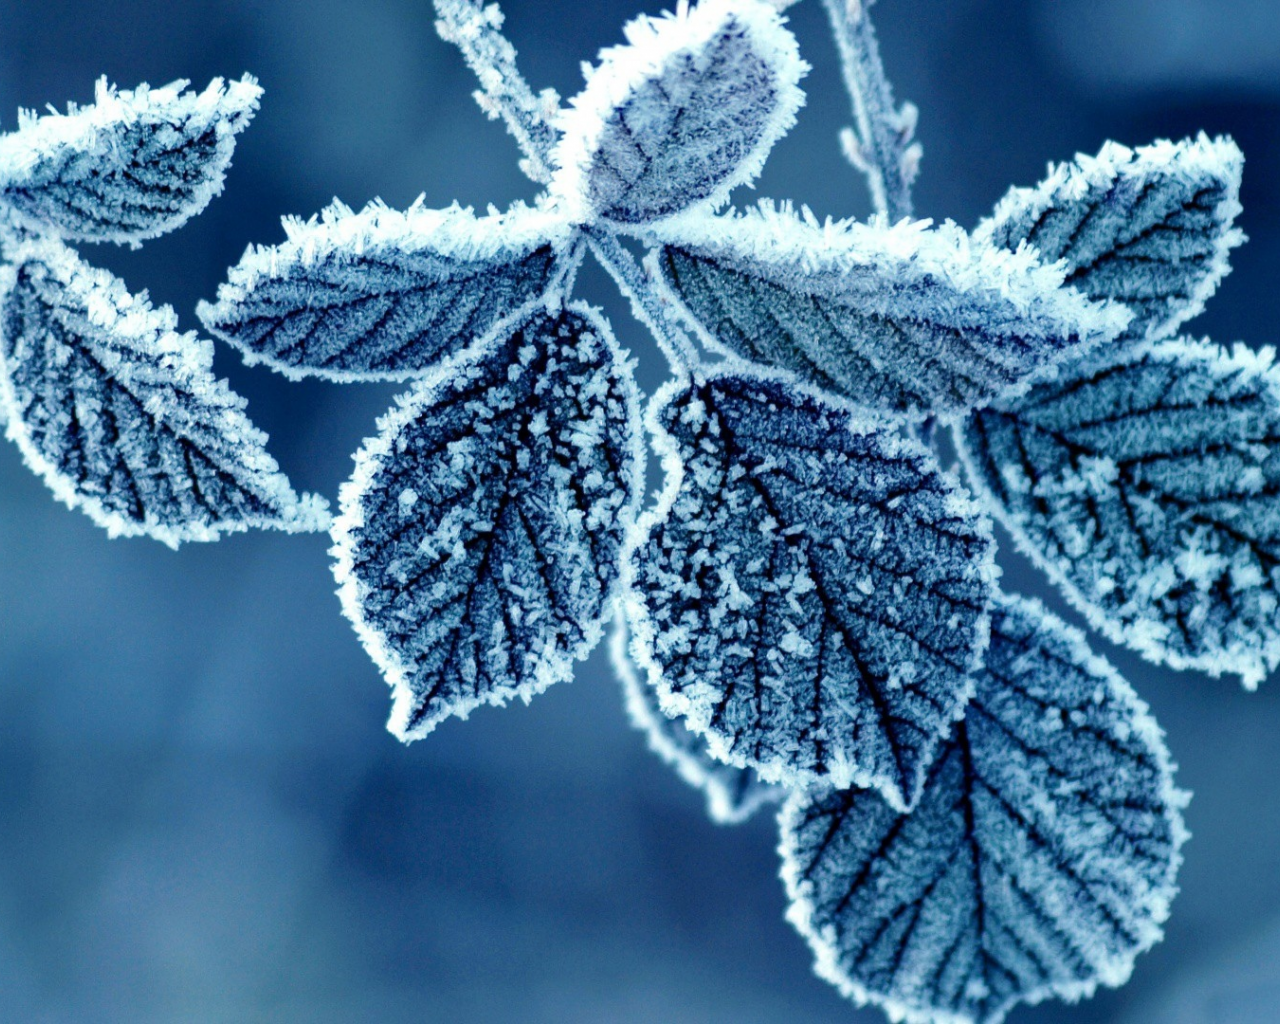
[
  {"x": 906, "y": 319},
  {"x": 810, "y": 594},
  {"x": 123, "y": 417},
  {"x": 133, "y": 165},
  {"x": 733, "y": 794},
  {"x": 1039, "y": 862},
  {"x": 681, "y": 115},
  {"x": 478, "y": 547},
  {"x": 1151, "y": 228},
  {"x": 383, "y": 295},
  {"x": 1147, "y": 485}
]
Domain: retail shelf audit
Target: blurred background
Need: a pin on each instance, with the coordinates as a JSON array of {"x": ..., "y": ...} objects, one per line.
[{"x": 201, "y": 815}]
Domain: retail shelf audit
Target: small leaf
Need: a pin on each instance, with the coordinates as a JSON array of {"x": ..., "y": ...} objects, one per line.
[
  {"x": 131, "y": 166},
  {"x": 383, "y": 295},
  {"x": 123, "y": 417},
  {"x": 679, "y": 116},
  {"x": 1039, "y": 862},
  {"x": 1151, "y": 228},
  {"x": 810, "y": 594},
  {"x": 905, "y": 319},
  {"x": 478, "y": 546},
  {"x": 733, "y": 794},
  {"x": 1147, "y": 484}
]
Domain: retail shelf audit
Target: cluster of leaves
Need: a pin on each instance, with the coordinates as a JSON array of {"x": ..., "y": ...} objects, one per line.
[
  {"x": 979, "y": 811},
  {"x": 118, "y": 412}
]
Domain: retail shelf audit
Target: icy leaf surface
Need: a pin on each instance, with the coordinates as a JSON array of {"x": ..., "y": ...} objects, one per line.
[
  {"x": 478, "y": 547},
  {"x": 906, "y": 319},
  {"x": 809, "y": 594},
  {"x": 733, "y": 794},
  {"x": 688, "y": 109},
  {"x": 383, "y": 295},
  {"x": 131, "y": 166},
  {"x": 123, "y": 417},
  {"x": 1151, "y": 227},
  {"x": 1039, "y": 862},
  {"x": 1147, "y": 484}
]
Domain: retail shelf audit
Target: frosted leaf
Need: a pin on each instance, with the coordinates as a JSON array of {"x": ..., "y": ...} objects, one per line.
[
  {"x": 132, "y": 165},
  {"x": 810, "y": 594},
  {"x": 905, "y": 319},
  {"x": 1151, "y": 227},
  {"x": 679, "y": 116},
  {"x": 1147, "y": 485},
  {"x": 733, "y": 794},
  {"x": 123, "y": 417},
  {"x": 383, "y": 295},
  {"x": 1039, "y": 862},
  {"x": 478, "y": 546}
]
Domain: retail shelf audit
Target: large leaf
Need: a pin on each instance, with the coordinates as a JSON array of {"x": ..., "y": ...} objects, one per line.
[
  {"x": 810, "y": 594},
  {"x": 478, "y": 545},
  {"x": 1039, "y": 862},
  {"x": 383, "y": 295},
  {"x": 905, "y": 319},
  {"x": 1147, "y": 484},
  {"x": 679, "y": 116},
  {"x": 733, "y": 794},
  {"x": 1151, "y": 228},
  {"x": 131, "y": 166},
  {"x": 123, "y": 417}
]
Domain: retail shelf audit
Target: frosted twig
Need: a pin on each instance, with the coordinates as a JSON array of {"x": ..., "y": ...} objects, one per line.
[
  {"x": 882, "y": 146},
  {"x": 646, "y": 304},
  {"x": 476, "y": 30}
]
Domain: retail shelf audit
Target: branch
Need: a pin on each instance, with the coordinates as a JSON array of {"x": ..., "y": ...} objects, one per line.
[
  {"x": 647, "y": 306},
  {"x": 476, "y": 30},
  {"x": 882, "y": 146}
]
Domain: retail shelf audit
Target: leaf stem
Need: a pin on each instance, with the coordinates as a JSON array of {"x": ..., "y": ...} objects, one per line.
[
  {"x": 647, "y": 305},
  {"x": 881, "y": 147},
  {"x": 476, "y": 30}
]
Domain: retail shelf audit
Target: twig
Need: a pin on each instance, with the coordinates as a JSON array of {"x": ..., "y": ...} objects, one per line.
[
  {"x": 476, "y": 30},
  {"x": 647, "y": 306},
  {"x": 882, "y": 146}
]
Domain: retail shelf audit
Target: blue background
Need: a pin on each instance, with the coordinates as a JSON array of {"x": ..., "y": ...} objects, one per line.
[{"x": 201, "y": 816}]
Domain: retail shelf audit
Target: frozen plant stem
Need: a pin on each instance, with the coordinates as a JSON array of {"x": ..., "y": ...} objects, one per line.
[
  {"x": 882, "y": 146},
  {"x": 646, "y": 305},
  {"x": 476, "y": 30}
]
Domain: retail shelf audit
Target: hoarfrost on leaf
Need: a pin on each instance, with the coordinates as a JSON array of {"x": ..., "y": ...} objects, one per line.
[
  {"x": 122, "y": 416},
  {"x": 733, "y": 794},
  {"x": 383, "y": 295},
  {"x": 1151, "y": 228},
  {"x": 810, "y": 594},
  {"x": 131, "y": 166},
  {"x": 685, "y": 111},
  {"x": 1039, "y": 862},
  {"x": 906, "y": 319},
  {"x": 478, "y": 547},
  {"x": 1147, "y": 484}
]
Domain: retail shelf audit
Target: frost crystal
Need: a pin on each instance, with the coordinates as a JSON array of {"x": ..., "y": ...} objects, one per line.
[
  {"x": 123, "y": 417},
  {"x": 905, "y": 319},
  {"x": 477, "y": 550},
  {"x": 131, "y": 166},
  {"x": 733, "y": 794},
  {"x": 383, "y": 295},
  {"x": 1151, "y": 228},
  {"x": 810, "y": 593},
  {"x": 1147, "y": 484},
  {"x": 1039, "y": 862},
  {"x": 677, "y": 118}
]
